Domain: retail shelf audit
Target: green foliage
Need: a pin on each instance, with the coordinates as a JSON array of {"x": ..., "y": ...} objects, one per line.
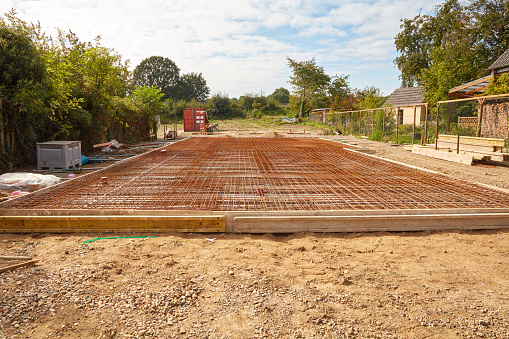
[
  {"x": 310, "y": 83},
  {"x": 499, "y": 85},
  {"x": 193, "y": 86},
  {"x": 370, "y": 97},
  {"x": 221, "y": 107},
  {"x": 453, "y": 46},
  {"x": 165, "y": 74},
  {"x": 281, "y": 95},
  {"x": 339, "y": 93},
  {"x": 65, "y": 89},
  {"x": 160, "y": 72},
  {"x": 22, "y": 75}
]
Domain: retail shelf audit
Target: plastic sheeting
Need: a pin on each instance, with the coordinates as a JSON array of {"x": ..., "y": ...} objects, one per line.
[{"x": 27, "y": 182}]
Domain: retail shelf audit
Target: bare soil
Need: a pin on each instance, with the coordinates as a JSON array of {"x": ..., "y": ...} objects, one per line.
[{"x": 452, "y": 284}]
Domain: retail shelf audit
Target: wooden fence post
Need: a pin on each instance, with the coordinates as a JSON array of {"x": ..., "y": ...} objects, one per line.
[
  {"x": 397, "y": 124},
  {"x": 479, "y": 118},
  {"x": 413, "y": 131},
  {"x": 436, "y": 136},
  {"x": 426, "y": 126}
]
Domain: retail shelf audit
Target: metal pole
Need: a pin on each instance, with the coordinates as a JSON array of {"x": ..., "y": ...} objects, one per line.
[
  {"x": 360, "y": 118},
  {"x": 372, "y": 121}
]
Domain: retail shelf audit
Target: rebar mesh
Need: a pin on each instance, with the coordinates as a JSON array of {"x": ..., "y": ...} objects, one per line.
[{"x": 262, "y": 174}]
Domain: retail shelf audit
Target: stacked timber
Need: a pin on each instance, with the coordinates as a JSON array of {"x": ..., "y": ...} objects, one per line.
[
  {"x": 463, "y": 149},
  {"x": 485, "y": 148}
]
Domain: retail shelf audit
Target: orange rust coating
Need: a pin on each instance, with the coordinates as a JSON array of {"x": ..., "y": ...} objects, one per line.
[{"x": 262, "y": 174}]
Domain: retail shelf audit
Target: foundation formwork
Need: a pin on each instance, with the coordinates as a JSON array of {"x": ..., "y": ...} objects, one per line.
[{"x": 259, "y": 185}]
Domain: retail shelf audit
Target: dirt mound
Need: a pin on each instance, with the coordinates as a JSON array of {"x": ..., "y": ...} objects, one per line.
[{"x": 273, "y": 135}]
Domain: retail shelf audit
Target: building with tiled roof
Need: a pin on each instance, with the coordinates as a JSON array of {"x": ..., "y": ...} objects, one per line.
[
  {"x": 405, "y": 96},
  {"x": 406, "y": 99},
  {"x": 501, "y": 65}
]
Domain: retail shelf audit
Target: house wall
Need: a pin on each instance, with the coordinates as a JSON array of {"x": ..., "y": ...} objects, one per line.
[
  {"x": 495, "y": 120},
  {"x": 408, "y": 115}
]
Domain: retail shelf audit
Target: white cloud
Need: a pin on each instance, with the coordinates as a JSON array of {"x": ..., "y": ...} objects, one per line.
[{"x": 239, "y": 45}]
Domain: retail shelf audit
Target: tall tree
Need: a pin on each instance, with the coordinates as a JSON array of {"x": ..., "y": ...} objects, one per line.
[
  {"x": 22, "y": 76},
  {"x": 420, "y": 35},
  {"x": 490, "y": 26},
  {"x": 338, "y": 92},
  {"x": 455, "y": 45},
  {"x": 193, "y": 86},
  {"x": 309, "y": 82},
  {"x": 160, "y": 72},
  {"x": 281, "y": 95}
]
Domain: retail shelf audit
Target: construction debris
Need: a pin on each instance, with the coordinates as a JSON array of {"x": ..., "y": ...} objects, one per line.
[
  {"x": 26, "y": 182},
  {"x": 23, "y": 264}
]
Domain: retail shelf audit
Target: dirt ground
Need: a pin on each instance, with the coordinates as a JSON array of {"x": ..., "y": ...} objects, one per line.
[{"x": 452, "y": 284}]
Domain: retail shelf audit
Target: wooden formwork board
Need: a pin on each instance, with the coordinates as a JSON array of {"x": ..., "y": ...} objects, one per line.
[
  {"x": 257, "y": 222},
  {"x": 117, "y": 223},
  {"x": 370, "y": 223}
]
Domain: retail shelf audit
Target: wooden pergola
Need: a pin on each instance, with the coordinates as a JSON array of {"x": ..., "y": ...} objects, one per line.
[{"x": 480, "y": 100}]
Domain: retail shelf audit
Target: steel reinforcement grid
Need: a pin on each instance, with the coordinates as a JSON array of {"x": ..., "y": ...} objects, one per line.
[{"x": 261, "y": 174}]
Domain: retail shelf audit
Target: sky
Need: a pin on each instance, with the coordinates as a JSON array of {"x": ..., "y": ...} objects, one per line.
[{"x": 241, "y": 46}]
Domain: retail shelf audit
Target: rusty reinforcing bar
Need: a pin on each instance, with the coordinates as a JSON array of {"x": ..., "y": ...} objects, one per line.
[{"x": 261, "y": 174}]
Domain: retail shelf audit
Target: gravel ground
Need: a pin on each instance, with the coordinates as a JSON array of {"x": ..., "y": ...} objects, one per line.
[{"x": 378, "y": 285}]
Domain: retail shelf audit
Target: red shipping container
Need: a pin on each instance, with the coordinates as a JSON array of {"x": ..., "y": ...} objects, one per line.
[{"x": 194, "y": 119}]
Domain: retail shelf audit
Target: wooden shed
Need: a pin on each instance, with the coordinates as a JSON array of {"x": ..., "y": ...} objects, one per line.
[{"x": 404, "y": 100}]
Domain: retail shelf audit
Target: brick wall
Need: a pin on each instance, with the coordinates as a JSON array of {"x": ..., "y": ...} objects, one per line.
[{"x": 495, "y": 121}]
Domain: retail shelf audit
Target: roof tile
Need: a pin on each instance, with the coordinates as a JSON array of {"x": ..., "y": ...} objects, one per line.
[
  {"x": 502, "y": 61},
  {"x": 406, "y": 96}
]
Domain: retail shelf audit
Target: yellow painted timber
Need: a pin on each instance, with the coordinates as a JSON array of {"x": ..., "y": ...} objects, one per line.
[{"x": 131, "y": 223}]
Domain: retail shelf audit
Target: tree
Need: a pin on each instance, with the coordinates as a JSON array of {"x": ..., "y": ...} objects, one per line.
[
  {"x": 96, "y": 75},
  {"x": 309, "y": 82},
  {"x": 160, "y": 72},
  {"x": 370, "y": 97},
  {"x": 467, "y": 38},
  {"x": 22, "y": 76},
  {"x": 193, "y": 86},
  {"x": 281, "y": 95},
  {"x": 423, "y": 33},
  {"x": 219, "y": 106},
  {"x": 490, "y": 27},
  {"x": 338, "y": 91}
]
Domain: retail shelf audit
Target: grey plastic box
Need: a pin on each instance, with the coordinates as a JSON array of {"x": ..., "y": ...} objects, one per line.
[{"x": 58, "y": 154}]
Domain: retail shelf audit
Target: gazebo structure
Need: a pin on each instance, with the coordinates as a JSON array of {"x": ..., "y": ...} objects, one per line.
[
  {"x": 490, "y": 114},
  {"x": 476, "y": 87}
]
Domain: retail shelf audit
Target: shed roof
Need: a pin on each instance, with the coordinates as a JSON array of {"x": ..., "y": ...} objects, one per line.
[
  {"x": 406, "y": 97},
  {"x": 501, "y": 62}
]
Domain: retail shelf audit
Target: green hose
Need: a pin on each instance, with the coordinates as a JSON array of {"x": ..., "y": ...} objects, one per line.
[{"x": 88, "y": 241}]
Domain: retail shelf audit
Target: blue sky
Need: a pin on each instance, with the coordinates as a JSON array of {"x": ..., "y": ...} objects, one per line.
[{"x": 241, "y": 46}]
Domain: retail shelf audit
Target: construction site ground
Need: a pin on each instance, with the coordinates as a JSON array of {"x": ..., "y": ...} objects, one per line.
[{"x": 443, "y": 284}]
